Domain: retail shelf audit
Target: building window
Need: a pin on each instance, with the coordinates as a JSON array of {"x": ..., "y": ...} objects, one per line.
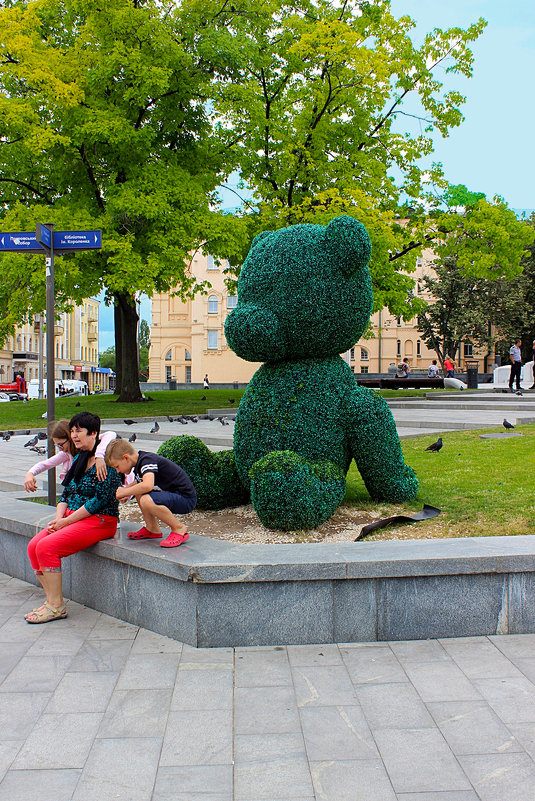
[
  {"x": 188, "y": 374},
  {"x": 468, "y": 350},
  {"x": 212, "y": 340},
  {"x": 418, "y": 348},
  {"x": 187, "y": 357},
  {"x": 352, "y": 354},
  {"x": 232, "y": 301},
  {"x": 398, "y": 321},
  {"x": 364, "y": 369},
  {"x": 210, "y": 263},
  {"x": 168, "y": 355},
  {"x": 213, "y": 304},
  {"x": 398, "y": 351},
  {"x": 419, "y": 261},
  {"x": 168, "y": 372},
  {"x": 364, "y": 355}
]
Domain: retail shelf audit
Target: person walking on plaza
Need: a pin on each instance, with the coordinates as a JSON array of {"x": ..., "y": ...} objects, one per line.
[
  {"x": 87, "y": 512},
  {"x": 449, "y": 367},
  {"x": 205, "y": 382},
  {"x": 163, "y": 490},
  {"x": 516, "y": 365},
  {"x": 533, "y": 368}
]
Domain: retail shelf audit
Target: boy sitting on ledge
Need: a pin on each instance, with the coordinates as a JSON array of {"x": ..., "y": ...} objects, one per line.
[{"x": 162, "y": 489}]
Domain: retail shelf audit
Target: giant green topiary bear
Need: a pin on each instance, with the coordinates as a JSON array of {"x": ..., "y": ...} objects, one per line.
[{"x": 304, "y": 297}]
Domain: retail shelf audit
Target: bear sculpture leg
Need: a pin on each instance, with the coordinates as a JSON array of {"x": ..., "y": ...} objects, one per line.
[
  {"x": 214, "y": 475},
  {"x": 292, "y": 493}
]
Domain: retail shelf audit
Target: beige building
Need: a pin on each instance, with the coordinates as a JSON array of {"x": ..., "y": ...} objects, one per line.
[
  {"x": 188, "y": 339},
  {"x": 75, "y": 348}
]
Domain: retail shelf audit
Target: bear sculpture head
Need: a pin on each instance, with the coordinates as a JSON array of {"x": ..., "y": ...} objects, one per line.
[{"x": 303, "y": 291}]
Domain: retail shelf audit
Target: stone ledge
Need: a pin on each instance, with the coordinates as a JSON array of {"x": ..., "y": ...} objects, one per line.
[{"x": 209, "y": 593}]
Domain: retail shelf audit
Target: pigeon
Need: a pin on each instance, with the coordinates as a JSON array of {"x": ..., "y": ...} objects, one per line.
[
  {"x": 78, "y": 404},
  {"x": 132, "y": 438},
  {"x": 148, "y": 398},
  {"x": 38, "y": 450},
  {"x": 129, "y": 422},
  {"x": 194, "y": 419},
  {"x": 436, "y": 446},
  {"x": 23, "y": 433},
  {"x": 6, "y": 437},
  {"x": 32, "y": 442},
  {"x": 203, "y": 397},
  {"x": 232, "y": 400},
  {"x": 42, "y": 435},
  {"x": 155, "y": 427},
  {"x": 506, "y": 424},
  {"x": 223, "y": 421},
  {"x": 170, "y": 419},
  {"x": 182, "y": 420}
]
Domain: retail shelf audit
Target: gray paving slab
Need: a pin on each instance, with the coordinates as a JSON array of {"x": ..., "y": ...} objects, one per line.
[{"x": 129, "y": 715}]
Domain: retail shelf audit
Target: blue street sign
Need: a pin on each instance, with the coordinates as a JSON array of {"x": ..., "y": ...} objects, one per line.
[
  {"x": 77, "y": 240},
  {"x": 44, "y": 235},
  {"x": 20, "y": 242}
]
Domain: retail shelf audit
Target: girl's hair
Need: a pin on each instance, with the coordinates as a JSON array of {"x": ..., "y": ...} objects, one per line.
[{"x": 62, "y": 431}]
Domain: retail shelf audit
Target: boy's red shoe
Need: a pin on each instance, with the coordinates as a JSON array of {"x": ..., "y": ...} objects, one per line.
[
  {"x": 174, "y": 540},
  {"x": 144, "y": 534}
]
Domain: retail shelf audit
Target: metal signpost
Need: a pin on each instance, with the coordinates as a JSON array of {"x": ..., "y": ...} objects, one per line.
[{"x": 52, "y": 243}]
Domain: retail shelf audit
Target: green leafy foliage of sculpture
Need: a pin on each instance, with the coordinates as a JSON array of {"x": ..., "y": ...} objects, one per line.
[{"x": 304, "y": 297}]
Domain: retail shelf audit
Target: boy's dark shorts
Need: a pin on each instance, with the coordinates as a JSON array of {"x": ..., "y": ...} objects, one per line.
[{"x": 178, "y": 504}]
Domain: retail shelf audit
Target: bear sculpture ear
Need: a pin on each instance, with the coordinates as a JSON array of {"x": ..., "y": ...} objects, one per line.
[
  {"x": 349, "y": 242},
  {"x": 259, "y": 237}
]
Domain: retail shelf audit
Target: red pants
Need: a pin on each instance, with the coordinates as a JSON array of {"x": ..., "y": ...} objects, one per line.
[{"x": 47, "y": 548}]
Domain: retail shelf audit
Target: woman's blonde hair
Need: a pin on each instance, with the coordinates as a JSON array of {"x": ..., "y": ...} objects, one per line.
[{"x": 62, "y": 431}]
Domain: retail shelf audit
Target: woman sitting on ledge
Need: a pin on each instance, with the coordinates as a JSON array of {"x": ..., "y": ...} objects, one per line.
[{"x": 87, "y": 512}]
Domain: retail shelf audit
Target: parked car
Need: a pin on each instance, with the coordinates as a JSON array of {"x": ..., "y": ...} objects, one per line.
[{"x": 4, "y": 397}]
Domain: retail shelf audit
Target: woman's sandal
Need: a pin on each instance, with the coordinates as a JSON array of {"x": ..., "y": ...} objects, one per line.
[{"x": 51, "y": 613}]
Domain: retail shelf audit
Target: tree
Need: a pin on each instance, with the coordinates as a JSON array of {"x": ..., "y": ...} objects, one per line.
[
  {"x": 105, "y": 123},
  {"x": 318, "y": 118},
  {"x": 477, "y": 280},
  {"x": 107, "y": 358}
]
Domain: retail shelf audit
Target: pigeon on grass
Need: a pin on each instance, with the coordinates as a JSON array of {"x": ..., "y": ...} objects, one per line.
[
  {"x": 436, "y": 446},
  {"x": 506, "y": 424}
]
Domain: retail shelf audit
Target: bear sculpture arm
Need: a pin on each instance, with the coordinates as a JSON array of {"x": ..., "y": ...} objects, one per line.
[{"x": 376, "y": 449}]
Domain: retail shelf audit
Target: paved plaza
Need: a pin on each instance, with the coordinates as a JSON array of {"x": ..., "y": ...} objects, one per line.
[{"x": 94, "y": 709}]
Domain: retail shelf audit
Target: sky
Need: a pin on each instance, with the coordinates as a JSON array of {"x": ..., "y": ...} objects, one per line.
[{"x": 492, "y": 150}]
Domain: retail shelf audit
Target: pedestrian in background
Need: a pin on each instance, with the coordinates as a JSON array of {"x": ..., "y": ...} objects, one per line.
[{"x": 516, "y": 365}]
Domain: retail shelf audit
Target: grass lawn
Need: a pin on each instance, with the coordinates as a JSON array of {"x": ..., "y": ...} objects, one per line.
[
  {"x": 188, "y": 401},
  {"x": 484, "y": 487}
]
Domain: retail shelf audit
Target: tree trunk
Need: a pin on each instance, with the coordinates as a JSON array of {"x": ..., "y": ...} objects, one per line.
[
  {"x": 118, "y": 350},
  {"x": 126, "y": 350}
]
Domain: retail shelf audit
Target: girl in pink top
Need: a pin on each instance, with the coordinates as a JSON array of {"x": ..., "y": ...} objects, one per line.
[{"x": 62, "y": 439}]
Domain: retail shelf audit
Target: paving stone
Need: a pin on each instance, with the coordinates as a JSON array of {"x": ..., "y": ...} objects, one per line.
[
  {"x": 57, "y": 641},
  {"x": 363, "y": 780},
  {"x": 462, "y": 795},
  {"x": 418, "y": 760},
  {"x": 393, "y": 706},
  {"x": 120, "y": 769},
  {"x": 136, "y": 713},
  {"x": 19, "y": 712},
  {"x": 323, "y": 686},
  {"x": 10, "y": 656},
  {"x": 194, "y": 783},
  {"x": 282, "y": 778},
  {"x": 421, "y": 650},
  {"x": 265, "y": 710},
  {"x": 207, "y": 655},
  {"x": 36, "y": 674},
  {"x": 471, "y": 727},
  {"x": 110, "y": 628},
  {"x": 83, "y": 692},
  {"x": 199, "y": 688},
  {"x": 101, "y": 656},
  {"x": 513, "y": 699},
  {"x": 262, "y": 668},
  {"x": 38, "y": 785},
  {"x": 337, "y": 732},
  {"x": 195, "y": 738},
  {"x": 525, "y": 734},
  {"x": 15, "y": 629},
  {"x": 372, "y": 665},
  {"x": 526, "y": 667},
  {"x": 501, "y": 777},
  {"x": 479, "y": 658},
  {"x": 146, "y": 671},
  {"x": 514, "y": 646},
  {"x": 441, "y": 681},
  {"x": 255, "y": 747},
  {"x": 8, "y": 751},
  {"x": 300, "y": 655},
  {"x": 59, "y": 741},
  {"x": 147, "y": 642}
]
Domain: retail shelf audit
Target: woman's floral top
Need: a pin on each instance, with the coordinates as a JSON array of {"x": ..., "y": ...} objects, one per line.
[{"x": 98, "y": 497}]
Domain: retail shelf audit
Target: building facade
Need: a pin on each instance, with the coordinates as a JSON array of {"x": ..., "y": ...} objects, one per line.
[
  {"x": 188, "y": 338},
  {"x": 75, "y": 348}
]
